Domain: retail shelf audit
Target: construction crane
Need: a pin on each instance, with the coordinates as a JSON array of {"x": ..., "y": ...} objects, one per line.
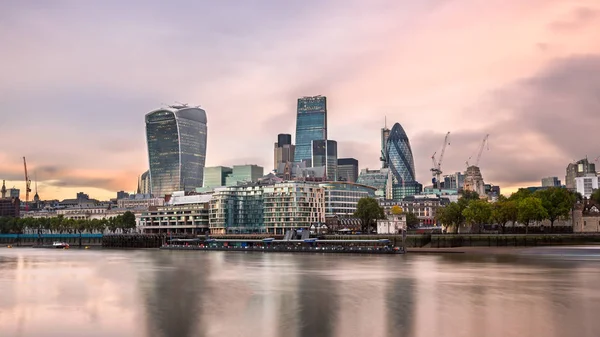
[
  {"x": 27, "y": 186},
  {"x": 483, "y": 143},
  {"x": 436, "y": 170}
]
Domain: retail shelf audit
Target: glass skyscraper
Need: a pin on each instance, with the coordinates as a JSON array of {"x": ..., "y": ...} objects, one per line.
[
  {"x": 324, "y": 153},
  {"x": 400, "y": 161},
  {"x": 176, "y": 138},
  {"x": 311, "y": 124}
]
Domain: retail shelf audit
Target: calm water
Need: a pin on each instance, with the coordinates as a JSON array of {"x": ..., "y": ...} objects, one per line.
[{"x": 160, "y": 293}]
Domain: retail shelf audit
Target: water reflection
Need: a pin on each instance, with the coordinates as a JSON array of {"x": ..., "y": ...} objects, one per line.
[{"x": 158, "y": 293}]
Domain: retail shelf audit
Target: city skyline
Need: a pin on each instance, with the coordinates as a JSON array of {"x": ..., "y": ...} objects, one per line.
[{"x": 523, "y": 72}]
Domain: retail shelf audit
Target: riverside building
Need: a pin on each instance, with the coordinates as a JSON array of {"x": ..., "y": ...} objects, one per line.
[
  {"x": 182, "y": 214},
  {"x": 237, "y": 210},
  {"x": 293, "y": 205}
]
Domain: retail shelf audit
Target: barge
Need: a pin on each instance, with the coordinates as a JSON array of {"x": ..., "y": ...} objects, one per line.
[{"x": 311, "y": 245}]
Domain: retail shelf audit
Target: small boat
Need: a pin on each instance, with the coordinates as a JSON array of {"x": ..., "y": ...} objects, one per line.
[{"x": 58, "y": 244}]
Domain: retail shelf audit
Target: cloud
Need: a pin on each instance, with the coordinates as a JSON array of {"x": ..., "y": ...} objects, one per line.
[{"x": 577, "y": 19}]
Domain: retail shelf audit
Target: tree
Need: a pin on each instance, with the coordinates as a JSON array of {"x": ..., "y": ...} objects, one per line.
[
  {"x": 557, "y": 201},
  {"x": 396, "y": 210},
  {"x": 520, "y": 194},
  {"x": 468, "y": 196},
  {"x": 530, "y": 209},
  {"x": 451, "y": 215},
  {"x": 595, "y": 196},
  {"x": 368, "y": 210},
  {"x": 477, "y": 212},
  {"x": 412, "y": 221},
  {"x": 503, "y": 211},
  {"x": 128, "y": 221}
]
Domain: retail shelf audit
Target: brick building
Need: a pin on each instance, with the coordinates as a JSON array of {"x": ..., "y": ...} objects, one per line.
[{"x": 10, "y": 207}]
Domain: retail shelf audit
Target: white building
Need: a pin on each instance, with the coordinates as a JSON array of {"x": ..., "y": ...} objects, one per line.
[
  {"x": 394, "y": 224},
  {"x": 293, "y": 205},
  {"x": 586, "y": 185},
  {"x": 185, "y": 214},
  {"x": 139, "y": 201},
  {"x": 341, "y": 197}
]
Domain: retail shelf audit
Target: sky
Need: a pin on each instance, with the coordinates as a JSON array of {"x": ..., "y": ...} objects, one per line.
[{"x": 77, "y": 78}]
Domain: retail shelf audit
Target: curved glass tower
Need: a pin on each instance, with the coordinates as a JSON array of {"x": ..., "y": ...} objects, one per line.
[
  {"x": 400, "y": 161},
  {"x": 176, "y": 138}
]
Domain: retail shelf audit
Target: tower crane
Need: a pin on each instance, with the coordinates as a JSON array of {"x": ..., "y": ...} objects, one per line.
[
  {"x": 436, "y": 170},
  {"x": 27, "y": 185},
  {"x": 483, "y": 143}
]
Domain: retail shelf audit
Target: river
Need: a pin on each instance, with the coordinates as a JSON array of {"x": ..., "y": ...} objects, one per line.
[{"x": 46, "y": 292}]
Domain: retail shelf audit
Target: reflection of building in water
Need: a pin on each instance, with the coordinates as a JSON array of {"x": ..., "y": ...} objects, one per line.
[
  {"x": 400, "y": 307},
  {"x": 174, "y": 297},
  {"x": 318, "y": 300}
]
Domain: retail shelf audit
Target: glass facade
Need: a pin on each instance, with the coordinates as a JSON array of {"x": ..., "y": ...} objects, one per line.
[
  {"x": 244, "y": 174},
  {"x": 379, "y": 179},
  {"x": 311, "y": 124},
  {"x": 215, "y": 176},
  {"x": 348, "y": 169},
  {"x": 324, "y": 153},
  {"x": 341, "y": 198},
  {"x": 400, "y": 161},
  {"x": 176, "y": 139},
  {"x": 237, "y": 210}
]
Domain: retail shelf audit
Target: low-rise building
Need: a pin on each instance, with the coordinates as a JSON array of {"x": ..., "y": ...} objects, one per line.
[
  {"x": 140, "y": 201},
  {"x": 424, "y": 207},
  {"x": 182, "y": 214},
  {"x": 586, "y": 217},
  {"x": 293, "y": 205},
  {"x": 393, "y": 224}
]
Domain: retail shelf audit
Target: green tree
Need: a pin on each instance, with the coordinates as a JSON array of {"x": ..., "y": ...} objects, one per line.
[
  {"x": 504, "y": 211},
  {"x": 412, "y": 221},
  {"x": 530, "y": 209},
  {"x": 595, "y": 196},
  {"x": 557, "y": 201},
  {"x": 368, "y": 210},
  {"x": 477, "y": 212},
  {"x": 451, "y": 215},
  {"x": 128, "y": 222},
  {"x": 396, "y": 210},
  {"x": 520, "y": 194},
  {"x": 114, "y": 223}
]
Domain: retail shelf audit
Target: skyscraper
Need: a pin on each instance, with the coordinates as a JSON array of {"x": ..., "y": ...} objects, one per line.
[
  {"x": 324, "y": 153},
  {"x": 284, "y": 150},
  {"x": 176, "y": 138},
  {"x": 385, "y": 133},
  {"x": 311, "y": 124},
  {"x": 347, "y": 169},
  {"x": 581, "y": 168},
  {"x": 400, "y": 161}
]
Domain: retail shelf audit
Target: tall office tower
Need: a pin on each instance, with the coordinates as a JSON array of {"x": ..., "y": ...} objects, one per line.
[
  {"x": 284, "y": 150},
  {"x": 324, "y": 153},
  {"x": 385, "y": 134},
  {"x": 348, "y": 169},
  {"x": 311, "y": 124},
  {"x": 400, "y": 161},
  {"x": 144, "y": 183},
  {"x": 176, "y": 138}
]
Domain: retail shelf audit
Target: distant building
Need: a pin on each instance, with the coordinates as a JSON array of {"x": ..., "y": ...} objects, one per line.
[
  {"x": 293, "y": 205},
  {"x": 385, "y": 134},
  {"x": 122, "y": 195},
  {"x": 454, "y": 181},
  {"x": 139, "y": 201},
  {"x": 551, "y": 182},
  {"x": 302, "y": 172},
  {"x": 176, "y": 139},
  {"x": 311, "y": 124},
  {"x": 216, "y": 176},
  {"x": 244, "y": 174},
  {"x": 237, "y": 210},
  {"x": 10, "y": 207},
  {"x": 587, "y": 185},
  {"x": 392, "y": 224},
  {"x": 586, "y": 217},
  {"x": 400, "y": 161},
  {"x": 382, "y": 180},
  {"x": 474, "y": 181},
  {"x": 14, "y": 192},
  {"x": 492, "y": 191},
  {"x": 341, "y": 198},
  {"x": 580, "y": 168},
  {"x": 324, "y": 153},
  {"x": 81, "y": 197},
  {"x": 144, "y": 183},
  {"x": 347, "y": 169},
  {"x": 424, "y": 207},
  {"x": 284, "y": 150}
]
